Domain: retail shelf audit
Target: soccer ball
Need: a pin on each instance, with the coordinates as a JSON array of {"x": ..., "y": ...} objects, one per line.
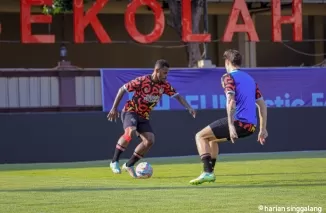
[{"x": 144, "y": 170}]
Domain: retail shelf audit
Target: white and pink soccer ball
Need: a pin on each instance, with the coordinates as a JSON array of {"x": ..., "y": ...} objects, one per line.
[{"x": 144, "y": 170}]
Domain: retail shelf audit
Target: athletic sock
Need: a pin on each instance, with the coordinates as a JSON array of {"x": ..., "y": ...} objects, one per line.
[
  {"x": 118, "y": 151},
  {"x": 134, "y": 159},
  {"x": 213, "y": 163},
  {"x": 207, "y": 161}
]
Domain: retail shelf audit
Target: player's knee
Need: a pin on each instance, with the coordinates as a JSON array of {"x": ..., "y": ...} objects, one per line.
[
  {"x": 129, "y": 132},
  {"x": 148, "y": 142},
  {"x": 199, "y": 136}
]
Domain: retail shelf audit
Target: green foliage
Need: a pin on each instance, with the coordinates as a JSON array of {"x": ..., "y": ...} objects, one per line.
[{"x": 60, "y": 6}]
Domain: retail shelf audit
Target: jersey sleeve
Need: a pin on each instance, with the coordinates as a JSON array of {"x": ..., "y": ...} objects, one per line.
[
  {"x": 169, "y": 90},
  {"x": 258, "y": 93},
  {"x": 133, "y": 85},
  {"x": 228, "y": 84}
]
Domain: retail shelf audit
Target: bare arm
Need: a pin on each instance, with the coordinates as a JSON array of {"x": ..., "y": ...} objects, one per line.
[
  {"x": 183, "y": 102},
  {"x": 262, "y": 108},
  {"x": 118, "y": 97},
  {"x": 170, "y": 91},
  {"x": 228, "y": 85},
  {"x": 231, "y": 108}
]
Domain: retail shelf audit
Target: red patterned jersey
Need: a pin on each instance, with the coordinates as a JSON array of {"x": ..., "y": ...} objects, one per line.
[{"x": 147, "y": 94}]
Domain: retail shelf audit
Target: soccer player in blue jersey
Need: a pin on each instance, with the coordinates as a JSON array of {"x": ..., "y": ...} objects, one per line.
[{"x": 242, "y": 94}]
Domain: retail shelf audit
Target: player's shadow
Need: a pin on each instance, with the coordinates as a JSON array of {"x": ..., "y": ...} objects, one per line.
[
  {"x": 203, "y": 186},
  {"x": 246, "y": 175}
]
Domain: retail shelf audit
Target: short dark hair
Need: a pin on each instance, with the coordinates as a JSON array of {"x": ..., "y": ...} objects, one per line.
[
  {"x": 161, "y": 63},
  {"x": 234, "y": 56}
]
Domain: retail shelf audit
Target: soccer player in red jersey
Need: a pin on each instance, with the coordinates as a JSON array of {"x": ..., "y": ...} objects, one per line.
[{"x": 148, "y": 91}]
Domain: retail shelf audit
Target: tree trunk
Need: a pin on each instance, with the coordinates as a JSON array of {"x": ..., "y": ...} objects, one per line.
[{"x": 192, "y": 49}]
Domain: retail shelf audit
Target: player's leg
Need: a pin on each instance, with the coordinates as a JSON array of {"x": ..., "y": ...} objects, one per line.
[
  {"x": 147, "y": 136},
  {"x": 214, "y": 152},
  {"x": 216, "y": 132},
  {"x": 129, "y": 121},
  {"x": 213, "y": 143},
  {"x": 243, "y": 130},
  {"x": 203, "y": 138}
]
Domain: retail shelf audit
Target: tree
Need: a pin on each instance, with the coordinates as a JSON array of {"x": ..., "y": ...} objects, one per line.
[
  {"x": 192, "y": 49},
  {"x": 61, "y": 6}
]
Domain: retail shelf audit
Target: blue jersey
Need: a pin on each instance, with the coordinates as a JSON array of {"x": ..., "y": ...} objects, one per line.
[{"x": 246, "y": 94}]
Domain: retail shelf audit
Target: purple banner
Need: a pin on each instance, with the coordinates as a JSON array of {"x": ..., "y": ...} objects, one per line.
[{"x": 281, "y": 87}]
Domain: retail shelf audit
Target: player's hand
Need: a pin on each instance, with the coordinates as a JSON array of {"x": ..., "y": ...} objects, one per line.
[
  {"x": 263, "y": 134},
  {"x": 233, "y": 133},
  {"x": 113, "y": 115},
  {"x": 192, "y": 112}
]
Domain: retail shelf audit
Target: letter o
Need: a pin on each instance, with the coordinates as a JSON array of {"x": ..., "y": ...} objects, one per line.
[{"x": 130, "y": 22}]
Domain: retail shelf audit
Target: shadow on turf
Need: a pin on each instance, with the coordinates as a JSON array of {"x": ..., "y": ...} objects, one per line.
[
  {"x": 204, "y": 186},
  {"x": 168, "y": 160},
  {"x": 245, "y": 175}
]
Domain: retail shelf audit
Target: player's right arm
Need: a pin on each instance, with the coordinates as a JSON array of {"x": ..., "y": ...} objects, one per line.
[
  {"x": 229, "y": 88},
  {"x": 130, "y": 86},
  {"x": 262, "y": 108}
]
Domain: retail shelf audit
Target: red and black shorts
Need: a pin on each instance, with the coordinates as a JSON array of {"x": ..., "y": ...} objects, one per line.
[
  {"x": 220, "y": 129},
  {"x": 132, "y": 119}
]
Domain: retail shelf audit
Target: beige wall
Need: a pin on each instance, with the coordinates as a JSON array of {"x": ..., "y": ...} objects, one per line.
[
  {"x": 45, "y": 92},
  {"x": 132, "y": 55}
]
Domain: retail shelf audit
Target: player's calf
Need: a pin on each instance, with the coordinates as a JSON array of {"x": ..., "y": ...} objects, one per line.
[
  {"x": 123, "y": 143},
  {"x": 141, "y": 149},
  {"x": 120, "y": 148},
  {"x": 134, "y": 159},
  {"x": 148, "y": 143},
  {"x": 213, "y": 162},
  {"x": 207, "y": 161},
  {"x": 204, "y": 150}
]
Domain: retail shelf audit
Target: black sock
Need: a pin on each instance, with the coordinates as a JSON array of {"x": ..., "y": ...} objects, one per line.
[
  {"x": 134, "y": 158},
  {"x": 206, "y": 159},
  {"x": 118, "y": 151},
  {"x": 213, "y": 162}
]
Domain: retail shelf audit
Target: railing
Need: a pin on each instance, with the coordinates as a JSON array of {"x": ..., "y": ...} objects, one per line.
[{"x": 40, "y": 90}]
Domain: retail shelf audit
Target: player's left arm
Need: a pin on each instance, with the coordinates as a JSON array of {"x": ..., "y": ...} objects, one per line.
[
  {"x": 229, "y": 88},
  {"x": 171, "y": 91},
  {"x": 262, "y": 109}
]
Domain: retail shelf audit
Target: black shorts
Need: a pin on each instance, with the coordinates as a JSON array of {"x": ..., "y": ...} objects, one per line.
[
  {"x": 220, "y": 129},
  {"x": 132, "y": 119}
]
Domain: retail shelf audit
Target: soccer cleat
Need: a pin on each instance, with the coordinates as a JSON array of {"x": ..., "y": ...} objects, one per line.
[
  {"x": 130, "y": 170},
  {"x": 115, "y": 167},
  {"x": 204, "y": 177}
]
